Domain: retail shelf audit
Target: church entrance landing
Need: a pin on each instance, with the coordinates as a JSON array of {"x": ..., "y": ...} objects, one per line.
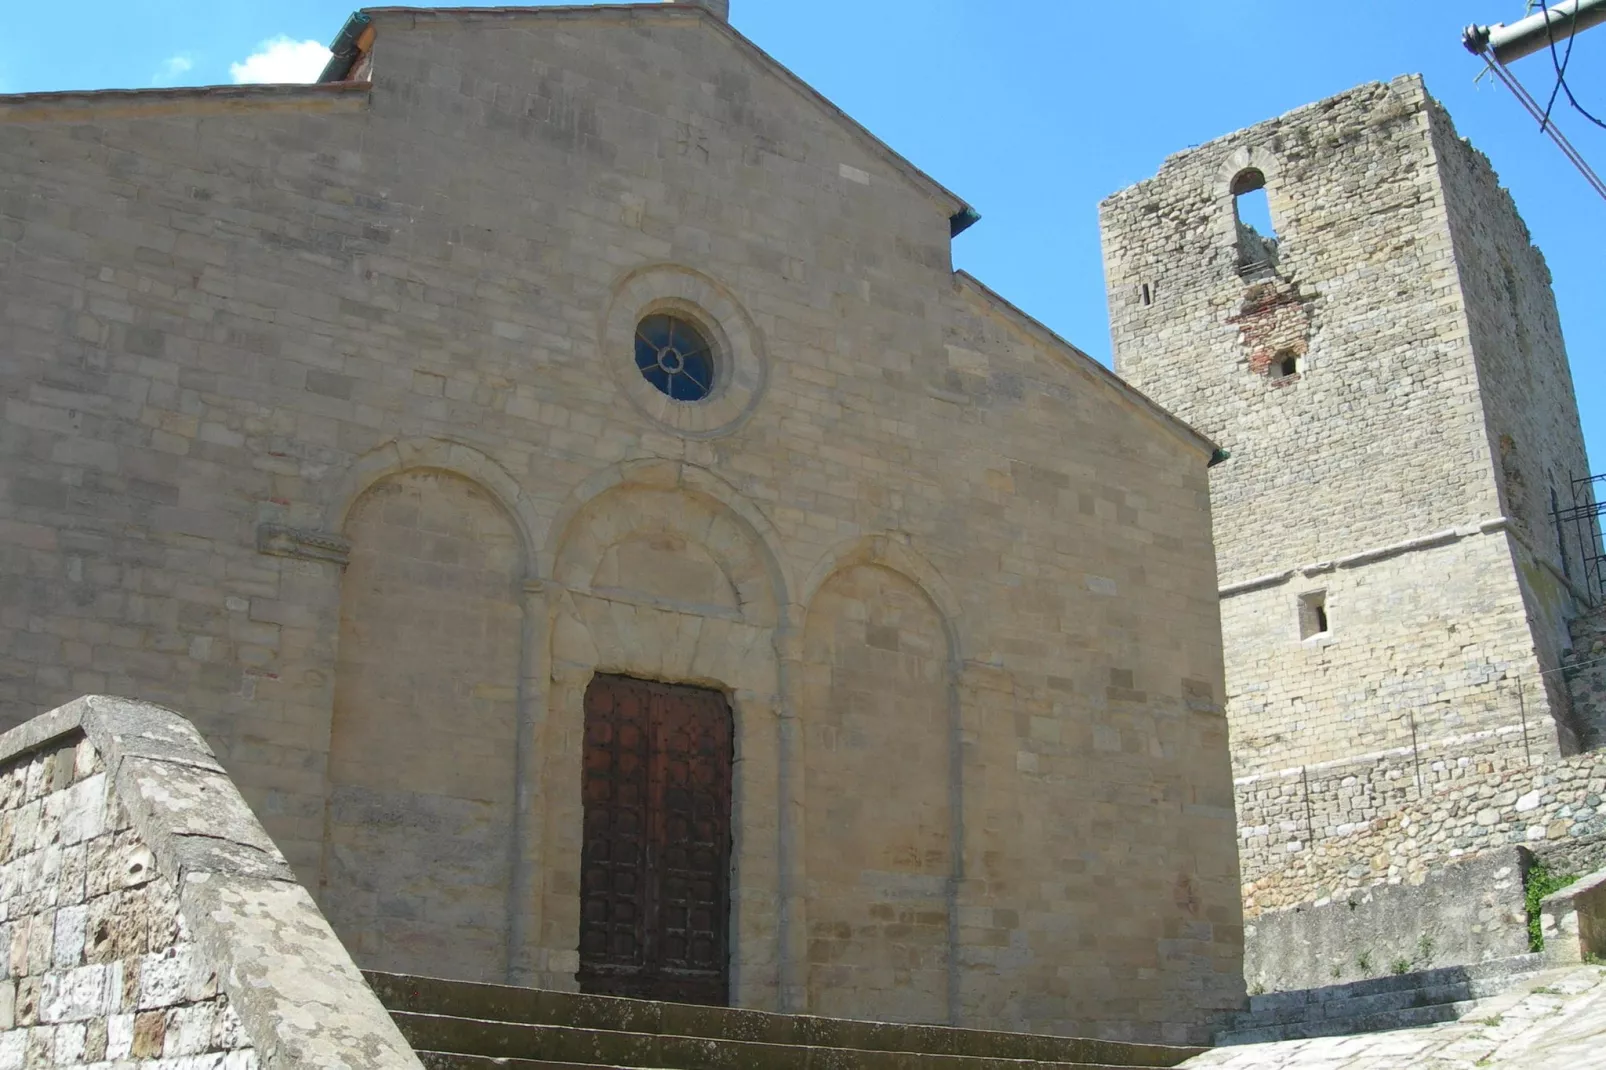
[{"x": 655, "y": 865}]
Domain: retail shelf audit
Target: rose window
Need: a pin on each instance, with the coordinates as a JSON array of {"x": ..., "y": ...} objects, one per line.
[{"x": 675, "y": 357}]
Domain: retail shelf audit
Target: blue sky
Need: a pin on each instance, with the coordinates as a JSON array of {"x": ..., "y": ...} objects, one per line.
[{"x": 1033, "y": 110}]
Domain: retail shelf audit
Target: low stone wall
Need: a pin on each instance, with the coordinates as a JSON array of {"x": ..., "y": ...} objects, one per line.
[
  {"x": 1573, "y": 920},
  {"x": 146, "y": 920},
  {"x": 1322, "y": 833},
  {"x": 1465, "y": 913}
]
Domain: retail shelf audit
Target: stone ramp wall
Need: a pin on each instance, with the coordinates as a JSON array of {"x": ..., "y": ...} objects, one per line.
[
  {"x": 146, "y": 920},
  {"x": 1464, "y": 913}
]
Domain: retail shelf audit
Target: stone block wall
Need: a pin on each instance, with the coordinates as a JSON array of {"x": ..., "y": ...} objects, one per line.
[
  {"x": 1403, "y": 469},
  {"x": 145, "y": 919},
  {"x": 1418, "y": 649},
  {"x": 100, "y": 966},
  {"x": 1320, "y": 833}
]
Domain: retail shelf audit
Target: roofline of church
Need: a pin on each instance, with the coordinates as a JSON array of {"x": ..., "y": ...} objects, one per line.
[
  {"x": 1034, "y": 326},
  {"x": 356, "y": 36},
  {"x": 66, "y": 105}
]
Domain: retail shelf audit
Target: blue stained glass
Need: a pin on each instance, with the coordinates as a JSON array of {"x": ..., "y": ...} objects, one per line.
[{"x": 675, "y": 358}]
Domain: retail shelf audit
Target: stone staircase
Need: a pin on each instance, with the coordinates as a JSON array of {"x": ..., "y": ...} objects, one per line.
[
  {"x": 1404, "y": 1001},
  {"x": 457, "y": 1025}
]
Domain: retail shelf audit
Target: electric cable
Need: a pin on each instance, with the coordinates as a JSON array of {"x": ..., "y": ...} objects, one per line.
[{"x": 1560, "y": 64}]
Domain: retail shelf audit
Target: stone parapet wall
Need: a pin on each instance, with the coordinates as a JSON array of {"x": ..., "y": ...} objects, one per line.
[
  {"x": 1320, "y": 833},
  {"x": 100, "y": 966},
  {"x": 146, "y": 920}
]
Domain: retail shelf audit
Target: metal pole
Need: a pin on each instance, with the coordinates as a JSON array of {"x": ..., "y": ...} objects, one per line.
[
  {"x": 1310, "y": 819},
  {"x": 1416, "y": 754},
  {"x": 1522, "y": 707},
  {"x": 1527, "y": 36}
]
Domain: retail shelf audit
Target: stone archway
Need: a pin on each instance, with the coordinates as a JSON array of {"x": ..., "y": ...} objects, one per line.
[
  {"x": 419, "y": 817},
  {"x": 656, "y": 580}
]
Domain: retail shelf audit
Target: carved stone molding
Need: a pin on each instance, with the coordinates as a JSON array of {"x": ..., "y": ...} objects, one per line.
[{"x": 281, "y": 541}]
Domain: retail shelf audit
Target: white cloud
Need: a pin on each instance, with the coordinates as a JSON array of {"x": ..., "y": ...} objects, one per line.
[
  {"x": 172, "y": 69},
  {"x": 280, "y": 59}
]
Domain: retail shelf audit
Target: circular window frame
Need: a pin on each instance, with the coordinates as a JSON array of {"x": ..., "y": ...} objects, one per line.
[
  {"x": 740, "y": 370},
  {"x": 718, "y": 344}
]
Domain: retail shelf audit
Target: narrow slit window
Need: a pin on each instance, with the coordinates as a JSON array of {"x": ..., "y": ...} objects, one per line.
[
  {"x": 1313, "y": 615},
  {"x": 1148, "y": 298}
]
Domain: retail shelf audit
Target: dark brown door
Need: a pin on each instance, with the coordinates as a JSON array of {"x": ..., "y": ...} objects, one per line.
[{"x": 655, "y": 865}]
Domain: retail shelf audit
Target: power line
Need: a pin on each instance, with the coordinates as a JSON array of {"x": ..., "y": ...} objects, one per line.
[{"x": 1560, "y": 66}]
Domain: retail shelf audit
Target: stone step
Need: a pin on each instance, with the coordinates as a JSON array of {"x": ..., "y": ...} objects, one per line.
[
  {"x": 1497, "y": 971},
  {"x": 439, "y": 1060},
  {"x": 1408, "y": 1018},
  {"x": 602, "y": 1047},
  {"x": 501, "y": 1003},
  {"x": 451, "y": 1060},
  {"x": 1359, "y": 1006}
]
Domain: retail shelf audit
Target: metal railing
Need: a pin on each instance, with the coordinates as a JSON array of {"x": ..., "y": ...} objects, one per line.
[{"x": 1581, "y": 521}]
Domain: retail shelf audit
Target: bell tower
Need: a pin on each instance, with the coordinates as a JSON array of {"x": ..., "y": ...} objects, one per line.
[{"x": 1376, "y": 344}]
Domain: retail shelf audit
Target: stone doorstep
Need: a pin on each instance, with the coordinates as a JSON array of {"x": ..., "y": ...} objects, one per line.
[
  {"x": 435, "y": 997},
  {"x": 592, "y": 1047},
  {"x": 1409, "y": 1018}
]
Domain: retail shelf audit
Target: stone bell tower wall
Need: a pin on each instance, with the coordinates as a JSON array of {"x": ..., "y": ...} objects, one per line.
[{"x": 1377, "y": 564}]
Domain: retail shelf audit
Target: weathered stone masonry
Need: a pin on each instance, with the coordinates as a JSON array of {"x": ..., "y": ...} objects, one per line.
[
  {"x": 1401, "y": 474},
  {"x": 100, "y": 963},
  {"x": 146, "y": 920},
  {"x": 1392, "y": 385}
]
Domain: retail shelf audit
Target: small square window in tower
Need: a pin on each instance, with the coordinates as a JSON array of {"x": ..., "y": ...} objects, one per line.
[
  {"x": 1313, "y": 615},
  {"x": 1285, "y": 365}
]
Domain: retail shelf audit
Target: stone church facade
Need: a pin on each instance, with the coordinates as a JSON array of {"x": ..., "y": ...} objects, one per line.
[{"x": 555, "y": 463}]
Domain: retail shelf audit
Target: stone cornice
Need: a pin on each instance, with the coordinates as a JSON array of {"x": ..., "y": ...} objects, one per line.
[
  {"x": 280, "y": 541},
  {"x": 1367, "y": 557}
]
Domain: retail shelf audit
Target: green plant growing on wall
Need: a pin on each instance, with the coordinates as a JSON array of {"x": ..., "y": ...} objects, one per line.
[
  {"x": 1400, "y": 965},
  {"x": 1424, "y": 949},
  {"x": 1540, "y": 883},
  {"x": 1363, "y": 962}
]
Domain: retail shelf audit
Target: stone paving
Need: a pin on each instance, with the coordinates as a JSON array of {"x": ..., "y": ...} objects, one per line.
[{"x": 1557, "y": 1021}]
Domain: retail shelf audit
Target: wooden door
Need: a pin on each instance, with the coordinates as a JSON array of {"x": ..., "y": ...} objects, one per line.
[{"x": 655, "y": 863}]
